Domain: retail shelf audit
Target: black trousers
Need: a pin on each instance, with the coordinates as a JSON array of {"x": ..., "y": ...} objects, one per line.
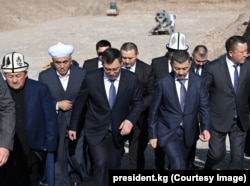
[
  {"x": 247, "y": 144},
  {"x": 17, "y": 171},
  {"x": 217, "y": 147}
]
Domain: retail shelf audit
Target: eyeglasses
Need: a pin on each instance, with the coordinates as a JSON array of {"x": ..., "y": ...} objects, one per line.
[{"x": 108, "y": 70}]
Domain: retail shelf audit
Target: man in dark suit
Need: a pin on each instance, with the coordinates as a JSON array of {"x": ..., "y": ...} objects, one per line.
[
  {"x": 112, "y": 100},
  {"x": 7, "y": 124},
  {"x": 36, "y": 130},
  {"x": 64, "y": 81},
  {"x": 161, "y": 66},
  {"x": 94, "y": 63},
  {"x": 139, "y": 135},
  {"x": 228, "y": 81},
  {"x": 247, "y": 142},
  {"x": 199, "y": 59},
  {"x": 173, "y": 121}
]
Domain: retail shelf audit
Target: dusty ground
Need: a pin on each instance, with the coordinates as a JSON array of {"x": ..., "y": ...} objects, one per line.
[{"x": 31, "y": 26}]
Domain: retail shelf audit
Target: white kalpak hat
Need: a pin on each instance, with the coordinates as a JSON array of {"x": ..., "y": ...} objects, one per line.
[
  {"x": 60, "y": 50},
  {"x": 14, "y": 62},
  {"x": 177, "y": 41}
]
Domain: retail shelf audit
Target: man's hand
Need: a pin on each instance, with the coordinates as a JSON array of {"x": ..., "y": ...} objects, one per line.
[
  {"x": 204, "y": 136},
  {"x": 72, "y": 135},
  {"x": 153, "y": 142},
  {"x": 4, "y": 155},
  {"x": 125, "y": 127},
  {"x": 64, "y": 105}
]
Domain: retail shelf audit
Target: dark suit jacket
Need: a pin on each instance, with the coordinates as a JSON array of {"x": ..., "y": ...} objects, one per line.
[
  {"x": 41, "y": 123},
  {"x": 99, "y": 114},
  {"x": 166, "y": 114},
  {"x": 160, "y": 66},
  {"x": 146, "y": 80},
  {"x": 91, "y": 64},
  {"x": 7, "y": 116},
  {"x": 40, "y": 117},
  {"x": 50, "y": 78},
  {"x": 192, "y": 68},
  {"x": 223, "y": 100}
]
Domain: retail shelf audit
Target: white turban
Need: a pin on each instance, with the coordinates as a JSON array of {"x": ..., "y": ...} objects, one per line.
[{"x": 60, "y": 50}]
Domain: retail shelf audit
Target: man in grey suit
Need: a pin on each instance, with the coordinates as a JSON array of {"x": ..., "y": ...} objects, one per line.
[
  {"x": 228, "y": 81},
  {"x": 64, "y": 81},
  {"x": 7, "y": 122},
  {"x": 138, "y": 139},
  {"x": 95, "y": 63},
  {"x": 113, "y": 99},
  {"x": 173, "y": 121}
]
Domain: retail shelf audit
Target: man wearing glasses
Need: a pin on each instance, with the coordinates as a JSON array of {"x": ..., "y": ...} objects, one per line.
[
  {"x": 95, "y": 63},
  {"x": 112, "y": 98}
]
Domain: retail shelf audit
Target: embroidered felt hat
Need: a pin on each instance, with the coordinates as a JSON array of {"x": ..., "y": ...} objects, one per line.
[
  {"x": 14, "y": 62},
  {"x": 177, "y": 41}
]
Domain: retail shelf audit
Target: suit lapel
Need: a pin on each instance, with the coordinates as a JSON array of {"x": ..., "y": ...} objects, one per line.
[
  {"x": 242, "y": 75},
  {"x": 175, "y": 94},
  {"x": 190, "y": 90},
  {"x": 55, "y": 80},
  {"x": 99, "y": 82},
  {"x": 122, "y": 82},
  {"x": 72, "y": 79},
  {"x": 224, "y": 71}
]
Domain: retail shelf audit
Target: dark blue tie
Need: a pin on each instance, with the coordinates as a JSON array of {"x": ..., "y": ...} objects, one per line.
[
  {"x": 236, "y": 77},
  {"x": 128, "y": 68},
  {"x": 112, "y": 94},
  {"x": 183, "y": 93}
]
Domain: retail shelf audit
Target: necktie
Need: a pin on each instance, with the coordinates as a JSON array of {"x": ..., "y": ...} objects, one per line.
[
  {"x": 183, "y": 92},
  {"x": 236, "y": 77},
  {"x": 112, "y": 94},
  {"x": 128, "y": 68}
]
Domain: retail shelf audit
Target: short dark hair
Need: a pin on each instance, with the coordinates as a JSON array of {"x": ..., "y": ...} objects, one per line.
[
  {"x": 103, "y": 43},
  {"x": 110, "y": 54},
  {"x": 201, "y": 50},
  {"x": 129, "y": 46},
  {"x": 233, "y": 41},
  {"x": 180, "y": 56}
]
